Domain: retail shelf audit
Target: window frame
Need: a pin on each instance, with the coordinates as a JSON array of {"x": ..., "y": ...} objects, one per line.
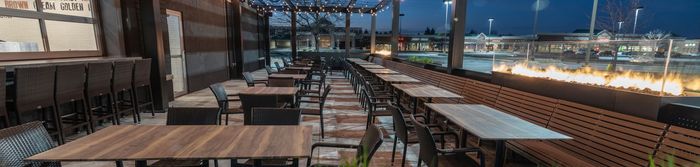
[{"x": 42, "y": 17}]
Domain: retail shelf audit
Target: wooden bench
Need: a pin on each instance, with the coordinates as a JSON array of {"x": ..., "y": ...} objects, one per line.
[
  {"x": 531, "y": 107},
  {"x": 477, "y": 92},
  {"x": 601, "y": 138},
  {"x": 681, "y": 144}
]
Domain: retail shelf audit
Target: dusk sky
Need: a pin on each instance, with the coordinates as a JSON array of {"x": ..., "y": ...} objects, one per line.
[{"x": 681, "y": 17}]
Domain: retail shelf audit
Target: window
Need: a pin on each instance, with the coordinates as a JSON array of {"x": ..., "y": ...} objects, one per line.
[{"x": 39, "y": 27}]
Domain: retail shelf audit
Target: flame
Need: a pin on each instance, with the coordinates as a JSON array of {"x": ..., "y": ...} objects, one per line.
[
  {"x": 383, "y": 52},
  {"x": 674, "y": 85}
]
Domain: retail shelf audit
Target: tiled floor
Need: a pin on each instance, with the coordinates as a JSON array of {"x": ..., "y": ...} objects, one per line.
[{"x": 344, "y": 122}]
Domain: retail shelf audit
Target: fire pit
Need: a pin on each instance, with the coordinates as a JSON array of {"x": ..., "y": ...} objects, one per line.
[{"x": 629, "y": 93}]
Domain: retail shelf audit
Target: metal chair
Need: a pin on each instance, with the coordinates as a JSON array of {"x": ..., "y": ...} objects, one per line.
[
  {"x": 321, "y": 103},
  {"x": 34, "y": 100},
  {"x": 279, "y": 67},
  {"x": 142, "y": 80},
  {"x": 275, "y": 116},
  {"x": 70, "y": 90},
  {"x": 23, "y": 141},
  {"x": 435, "y": 157},
  {"x": 369, "y": 144},
  {"x": 222, "y": 100},
  {"x": 268, "y": 69},
  {"x": 248, "y": 102},
  {"x": 250, "y": 80}
]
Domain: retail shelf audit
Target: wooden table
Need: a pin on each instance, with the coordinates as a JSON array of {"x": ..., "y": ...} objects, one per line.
[
  {"x": 155, "y": 142},
  {"x": 364, "y": 63},
  {"x": 490, "y": 124},
  {"x": 299, "y": 68},
  {"x": 371, "y": 66},
  {"x": 382, "y": 71},
  {"x": 397, "y": 78},
  {"x": 295, "y": 76},
  {"x": 280, "y": 91},
  {"x": 424, "y": 91}
]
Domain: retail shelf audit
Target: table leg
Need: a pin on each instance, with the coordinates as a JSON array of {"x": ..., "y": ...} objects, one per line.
[
  {"x": 463, "y": 138},
  {"x": 427, "y": 112},
  {"x": 257, "y": 163},
  {"x": 141, "y": 164},
  {"x": 295, "y": 162},
  {"x": 500, "y": 153},
  {"x": 119, "y": 163}
]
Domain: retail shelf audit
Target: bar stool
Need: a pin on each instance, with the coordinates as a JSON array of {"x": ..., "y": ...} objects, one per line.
[
  {"x": 4, "y": 117},
  {"x": 142, "y": 80},
  {"x": 99, "y": 94},
  {"x": 70, "y": 88},
  {"x": 123, "y": 90},
  {"x": 33, "y": 92}
]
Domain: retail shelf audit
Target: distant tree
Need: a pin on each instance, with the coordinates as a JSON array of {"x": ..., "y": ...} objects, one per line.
[
  {"x": 472, "y": 31},
  {"x": 615, "y": 11},
  {"x": 657, "y": 34},
  {"x": 427, "y": 31},
  {"x": 366, "y": 32},
  {"x": 317, "y": 23},
  {"x": 432, "y": 31}
]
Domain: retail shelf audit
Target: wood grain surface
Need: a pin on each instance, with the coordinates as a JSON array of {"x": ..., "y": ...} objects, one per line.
[
  {"x": 269, "y": 91},
  {"x": 425, "y": 90},
  {"x": 371, "y": 66},
  {"x": 396, "y": 78},
  {"x": 490, "y": 124},
  {"x": 295, "y": 76},
  {"x": 153, "y": 142},
  {"x": 382, "y": 71}
]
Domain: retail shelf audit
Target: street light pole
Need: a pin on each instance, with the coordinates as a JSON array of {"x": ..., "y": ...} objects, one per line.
[
  {"x": 636, "y": 16},
  {"x": 490, "y": 24},
  {"x": 591, "y": 30},
  {"x": 447, "y": 13},
  {"x": 619, "y": 27}
]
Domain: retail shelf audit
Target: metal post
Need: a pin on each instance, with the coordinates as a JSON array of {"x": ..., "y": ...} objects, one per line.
[
  {"x": 490, "y": 24},
  {"x": 396, "y": 8},
  {"x": 373, "y": 34},
  {"x": 636, "y": 16},
  {"x": 666, "y": 63},
  {"x": 456, "y": 54},
  {"x": 591, "y": 29},
  {"x": 347, "y": 34},
  {"x": 293, "y": 35}
]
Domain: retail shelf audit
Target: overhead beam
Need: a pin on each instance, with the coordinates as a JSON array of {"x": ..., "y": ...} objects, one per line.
[
  {"x": 316, "y": 8},
  {"x": 293, "y": 35},
  {"x": 347, "y": 34},
  {"x": 373, "y": 35}
]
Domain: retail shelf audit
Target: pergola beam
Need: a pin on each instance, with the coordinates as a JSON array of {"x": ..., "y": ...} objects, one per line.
[{"x": 316, "y": 9}]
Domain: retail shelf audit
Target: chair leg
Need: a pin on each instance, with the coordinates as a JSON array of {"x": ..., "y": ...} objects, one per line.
[
  {"x": 150, "y": 96},
  {"x": 59, "y": 126},
  {"x": 135, "y": 105},
  {"x": 226, "y": 119},
  {"x": 322, "y": 131},
  {"x": 393, "y": 150},
  {"x": 419, "y": 161},
  {"x": 115, "y": 109},
  {"x": 405, "y": 151}
]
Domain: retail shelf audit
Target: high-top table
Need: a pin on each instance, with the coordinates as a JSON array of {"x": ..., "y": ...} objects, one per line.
[
  {"x": 424, "y": 91},
  {"x": 490, "y": 124},
  {"x": 156, "y": 142}
]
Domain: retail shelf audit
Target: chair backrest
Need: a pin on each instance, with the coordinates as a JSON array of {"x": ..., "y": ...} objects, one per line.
[
  {"x": 22, "y": 141},
  {"x": 248, "y": 102},
  {"x": 285, "y": 61},
  {"x": 280, "y": 82},
  {"x": 123, "y": 72},
  {"x": 275, "y": 116},
  {"x": 70, "y": 83},
  {"x": 326, "y": 91},
  {"x": 99, "y": 78},
  {"x": 369, "y": 144},
  {"x": 268, "y": 69},
  {"x": 192, "y": 116},
  {"x": 142, "y": 72},
  {"x": 220, "y": 94},
  {"x": 400, "y": 126},
  {"x": 249, "y": 79},
  {"x": 428, "y": 150},
  {"x": 279, "y": 67},
  {"x": 34, "y": 87}
]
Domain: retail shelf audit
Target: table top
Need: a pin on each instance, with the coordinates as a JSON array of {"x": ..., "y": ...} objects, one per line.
[
  {"x": 299, "y": 68},
  {"x": 153, "y": 142},
  {"x": 490, "y": 124},
  {"x": 371, "y": 66},
  {"x": 269, "y": 91},
  {"x": 364, "y": 63},
  {"x": 355, "y": 59},
  {"x": 295, "y": 76},
  {"x": 382, "y": 71},
  {"x": 396, "y": 78},
  {"x": 425, "y": 90}
]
